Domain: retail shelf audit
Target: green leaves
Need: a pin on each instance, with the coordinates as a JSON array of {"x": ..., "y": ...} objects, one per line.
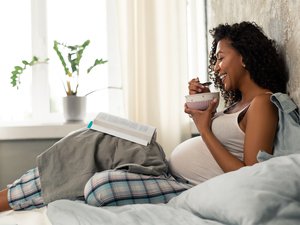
[
  {"x": 18, "y": 68},
  {"x": 16, "y": 74},
  {"x": 74, "y": 57},
  {"x": 63, "y": 62},
  {"x": 97, "y": 62},
  {"x": 86, "y": 43}
]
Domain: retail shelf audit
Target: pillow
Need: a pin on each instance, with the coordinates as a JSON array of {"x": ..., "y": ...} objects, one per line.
[{"x": 265, "y": 193}]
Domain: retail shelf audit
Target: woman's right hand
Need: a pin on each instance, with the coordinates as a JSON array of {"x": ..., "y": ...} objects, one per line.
[{"x": 195, "y": 87}]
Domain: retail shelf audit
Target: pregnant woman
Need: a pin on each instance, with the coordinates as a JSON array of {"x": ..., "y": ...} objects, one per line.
[{"x": 246, "y": 68}]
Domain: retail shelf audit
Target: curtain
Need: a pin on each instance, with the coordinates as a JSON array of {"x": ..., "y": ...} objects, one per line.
[{"x": 154, "y": 68}]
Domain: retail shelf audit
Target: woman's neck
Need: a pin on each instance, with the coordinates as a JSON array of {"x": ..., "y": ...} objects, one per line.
[{"x": 250, "y": 92}]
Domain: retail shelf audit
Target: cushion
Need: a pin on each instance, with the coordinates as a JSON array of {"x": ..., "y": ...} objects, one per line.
[{"x": 265, "y": 193}]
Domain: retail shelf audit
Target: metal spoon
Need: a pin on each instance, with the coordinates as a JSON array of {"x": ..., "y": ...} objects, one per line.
[{"x": 206, "y": 83}]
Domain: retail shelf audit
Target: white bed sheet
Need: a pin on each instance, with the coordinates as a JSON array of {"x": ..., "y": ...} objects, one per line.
[
  {"x": 33, "y": 217},
  {"x": 64, "y": 212}
]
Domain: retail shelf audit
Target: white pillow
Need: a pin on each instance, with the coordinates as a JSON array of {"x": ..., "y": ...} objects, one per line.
[{"x": 265, "y": 193}]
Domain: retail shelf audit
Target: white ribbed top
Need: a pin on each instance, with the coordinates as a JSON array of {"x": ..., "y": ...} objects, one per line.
[{"x": 193, "y": 161}]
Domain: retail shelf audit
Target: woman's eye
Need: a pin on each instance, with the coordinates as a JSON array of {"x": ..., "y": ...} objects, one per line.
[{"x": 220, "y": 59}]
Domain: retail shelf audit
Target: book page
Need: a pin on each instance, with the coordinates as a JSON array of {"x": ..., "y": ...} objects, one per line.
[{"x": 123, "y": 128}]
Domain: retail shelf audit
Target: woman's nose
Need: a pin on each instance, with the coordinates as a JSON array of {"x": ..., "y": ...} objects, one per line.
[{"x": 217, "y": 67}]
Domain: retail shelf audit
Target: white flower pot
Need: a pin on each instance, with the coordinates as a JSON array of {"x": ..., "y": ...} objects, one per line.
[{"x": 74, "y": 108}]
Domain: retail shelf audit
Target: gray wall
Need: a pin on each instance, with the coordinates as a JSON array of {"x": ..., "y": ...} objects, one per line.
[
  {"x": 278, "y": 18},
  {"x": 18, "y": 156}
]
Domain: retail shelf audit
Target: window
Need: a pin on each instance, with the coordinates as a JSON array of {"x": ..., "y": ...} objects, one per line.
[
  {"x": 73, "y": 24},
  {"x": 39, "y": 98},
  {"x": 197, "y": 49},
  {"x": 16, "y": 46}
]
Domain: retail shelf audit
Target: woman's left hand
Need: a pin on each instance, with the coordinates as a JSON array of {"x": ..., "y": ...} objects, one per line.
[{"x": 202, "y": 119}]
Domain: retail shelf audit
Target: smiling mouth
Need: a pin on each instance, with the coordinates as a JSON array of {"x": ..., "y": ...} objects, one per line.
[{"x": 223, "y": 76}]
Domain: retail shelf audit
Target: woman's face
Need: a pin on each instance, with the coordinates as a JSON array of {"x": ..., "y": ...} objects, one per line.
[{"x": 229, "y": 65}]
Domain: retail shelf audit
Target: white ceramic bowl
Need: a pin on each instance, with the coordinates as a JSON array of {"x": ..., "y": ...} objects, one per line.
[{"x": 201, "y": 101}]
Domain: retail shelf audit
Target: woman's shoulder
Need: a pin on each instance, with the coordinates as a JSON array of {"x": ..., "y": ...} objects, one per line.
[
  {"x": 262, "y": 103},
  {"x": 264, "y": 98}
]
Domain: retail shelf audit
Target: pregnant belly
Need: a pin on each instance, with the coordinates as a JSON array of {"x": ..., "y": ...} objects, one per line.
[{"x": 192, "y": 161}]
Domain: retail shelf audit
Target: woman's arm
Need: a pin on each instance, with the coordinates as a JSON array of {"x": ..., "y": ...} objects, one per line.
[{"x": 260, "y": 127}]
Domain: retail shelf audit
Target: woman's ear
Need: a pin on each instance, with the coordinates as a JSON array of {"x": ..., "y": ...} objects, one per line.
[{"x": 242, "y": 62}]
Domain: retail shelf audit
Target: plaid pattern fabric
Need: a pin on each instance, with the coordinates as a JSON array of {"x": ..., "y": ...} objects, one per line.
[
  {"x": 117, "y": 187},
  {"x": 25, "y": 193},
  {"x": 108, "y": 188}
]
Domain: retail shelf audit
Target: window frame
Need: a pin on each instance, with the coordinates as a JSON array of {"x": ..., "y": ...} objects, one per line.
[
  {"x": 40, "y": 85},
  {"x": 44, "y": 123}
]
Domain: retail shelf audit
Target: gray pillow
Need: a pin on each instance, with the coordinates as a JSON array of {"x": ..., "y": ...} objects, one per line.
[{"x": 265, "y": 193}]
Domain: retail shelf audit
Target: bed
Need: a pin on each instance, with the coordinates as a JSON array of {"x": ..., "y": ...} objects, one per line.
[{"x": 266, "y": 193}]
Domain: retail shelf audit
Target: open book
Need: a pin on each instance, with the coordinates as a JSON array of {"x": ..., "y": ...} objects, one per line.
[{"x": 123, "y": 128}]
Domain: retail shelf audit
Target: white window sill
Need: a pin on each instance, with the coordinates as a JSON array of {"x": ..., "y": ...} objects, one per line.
[
  {"x": 47, "y": 131},
  {"x": 38, "y": 131}
]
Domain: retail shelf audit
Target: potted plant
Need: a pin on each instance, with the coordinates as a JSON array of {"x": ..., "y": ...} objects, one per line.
[{"x": 74, "y": 106}]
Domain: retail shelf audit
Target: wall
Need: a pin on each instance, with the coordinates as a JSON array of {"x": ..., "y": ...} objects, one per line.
[
  {"x": 278, "y": 18},
  {"x": 19, "y": 156}
]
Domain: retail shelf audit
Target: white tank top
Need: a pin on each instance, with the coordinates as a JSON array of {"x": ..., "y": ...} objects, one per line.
[{"x": 192, "y": 160}]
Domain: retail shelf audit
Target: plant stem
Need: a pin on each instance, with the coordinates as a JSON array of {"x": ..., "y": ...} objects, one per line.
[{"x": 69, "y": 88}]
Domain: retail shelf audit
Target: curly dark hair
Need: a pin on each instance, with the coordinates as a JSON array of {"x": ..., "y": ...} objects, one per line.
[{"x": 259, "y": 54}]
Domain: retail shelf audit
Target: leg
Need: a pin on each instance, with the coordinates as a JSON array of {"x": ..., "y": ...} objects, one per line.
[
  {"x": 111, "y": 188},
  {"x": 4, "y": 206},
  {"x": 25, "y": 193}
]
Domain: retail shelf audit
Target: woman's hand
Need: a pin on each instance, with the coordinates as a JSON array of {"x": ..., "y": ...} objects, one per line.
[
  {"x": 202, "y": 119},
  {"x": 195, "y": 87}
]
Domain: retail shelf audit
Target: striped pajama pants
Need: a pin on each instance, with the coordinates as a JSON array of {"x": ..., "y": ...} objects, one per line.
[{"x": 107, "y": 188}]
